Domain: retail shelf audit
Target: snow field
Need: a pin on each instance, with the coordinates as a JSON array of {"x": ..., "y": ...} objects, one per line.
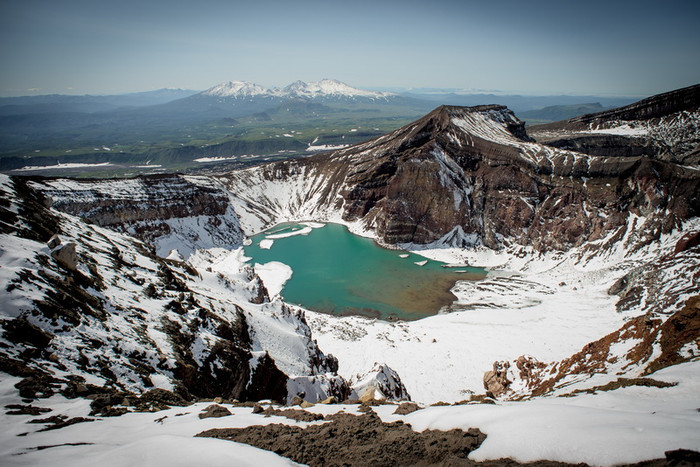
[{"x": 606, "y": 428}]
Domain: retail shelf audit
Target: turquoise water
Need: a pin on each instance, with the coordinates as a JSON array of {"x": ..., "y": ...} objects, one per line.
[{"x": 337, "y": 272}]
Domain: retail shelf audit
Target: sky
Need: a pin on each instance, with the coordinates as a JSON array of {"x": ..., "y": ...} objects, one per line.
[{"x": 593, "y": 47}]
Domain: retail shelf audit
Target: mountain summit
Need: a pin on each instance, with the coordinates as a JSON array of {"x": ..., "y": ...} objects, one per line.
[
  {"x": 469, "y": 176},
  {"x": 326, "y": 88},
  {"x": 236, "y": 89}
]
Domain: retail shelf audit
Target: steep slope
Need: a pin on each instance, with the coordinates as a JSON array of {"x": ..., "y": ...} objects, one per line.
[
  {"x": 169, "y": 211},
  {"x": 666, "y": 126},
  {"x": 93, "y": 306},
  {"x": 570, "y": 225},
  {"x": 466, "y": 177}
]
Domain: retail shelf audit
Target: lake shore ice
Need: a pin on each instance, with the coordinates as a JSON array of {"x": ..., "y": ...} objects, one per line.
[{"x": 273, "y": 275}]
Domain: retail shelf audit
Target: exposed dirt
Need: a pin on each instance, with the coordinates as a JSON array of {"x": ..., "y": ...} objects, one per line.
[
  {"x": 623, "y": 383},
  {"x": 19, "y": 409},
  {"x": 356, "y": 440},
  {"x": 298, "y": 415},
  {"x": 352, "y": 440}
]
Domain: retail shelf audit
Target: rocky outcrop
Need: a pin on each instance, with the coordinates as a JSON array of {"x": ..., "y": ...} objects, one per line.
[
  {"x": 165, "y": 210},
  {"x": 357, "y": 440},
  {"x": 496, "y": 381},
  {"x": 666, "y": 126},
  {"x": 66, "y": 255},
  {"x": 469, "y": 176},
  {"x": 650, "y": 344},
  {"x": 215, "y": 411},
  {"x": 380, "y": 383}
]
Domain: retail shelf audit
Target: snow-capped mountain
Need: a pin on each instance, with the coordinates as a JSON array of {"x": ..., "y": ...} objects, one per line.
[
  {"x": 326, "y": 88},
  {"x": 239, "y": 89}
]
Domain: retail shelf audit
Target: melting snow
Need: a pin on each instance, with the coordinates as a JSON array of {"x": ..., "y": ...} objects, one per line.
[
  {"x": 274, "y": 275},
  {"x": 624, "y": 130},
  {"x": 72, "y": 165}
]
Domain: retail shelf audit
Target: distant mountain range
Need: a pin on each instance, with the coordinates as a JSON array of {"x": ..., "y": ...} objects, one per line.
[
  {"x": 173, "y": 127},
  {"x": 326, "y": 88},
  {"x": 56, "y": 103}
]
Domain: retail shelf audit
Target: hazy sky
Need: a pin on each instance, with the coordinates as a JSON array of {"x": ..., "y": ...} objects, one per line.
[{"x": 612, "y": 47}]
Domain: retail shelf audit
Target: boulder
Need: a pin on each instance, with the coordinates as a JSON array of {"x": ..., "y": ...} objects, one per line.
[
  {"x": 54, "y": 241},
  {"x": 296, "y": 400},
  {"x": 406, "y": 408},
  {"x": 66, "y": 255},
  {"x": 370, "y": 394},
  {"x": 496, "y": 381},
  {"x": 380, "y": 383},
  {"x": 215, "y": 411}
]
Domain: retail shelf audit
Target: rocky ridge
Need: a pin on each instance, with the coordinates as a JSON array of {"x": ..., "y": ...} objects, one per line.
[
  {"x": 467, "y": 177},
  {"x": 167, "y": 211},
  {"x": 664, "y": 127}
]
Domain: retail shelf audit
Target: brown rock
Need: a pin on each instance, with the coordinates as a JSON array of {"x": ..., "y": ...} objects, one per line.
[
  {"x": 687, "y": 241},
  {"x": 496, "y": 381},
  {"x": 406, "y": 408},
  {"x": 357, "y": 440},
  {"x": 215, "y": 411},
  {"x": 296, "y": 400},
  {"x": 368, "y": 394}
]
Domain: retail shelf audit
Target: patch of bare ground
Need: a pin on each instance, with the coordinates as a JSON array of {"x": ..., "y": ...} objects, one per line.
[
  {"x": 356, "y": 440},
  {"x": 362, "y": 440},
  {"x": 623, "y": 383}
]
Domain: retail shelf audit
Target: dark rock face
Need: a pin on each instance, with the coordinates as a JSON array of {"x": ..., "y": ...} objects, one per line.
[
  {"x": 471, "y": 175},
  {"x": 357, "y": 440},
  {"x": 651, "y": 107},
  {"x": 226, "y": 370},
  {"x": 215, "y": 411},
  {"x": 116, "y": 202},
  {"x": 667, "y": 128},
  {"x": 143, "y": 205}
]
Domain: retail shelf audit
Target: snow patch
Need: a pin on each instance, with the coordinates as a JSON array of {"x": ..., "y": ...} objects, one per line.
[{"x": 274, "y": 275}]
